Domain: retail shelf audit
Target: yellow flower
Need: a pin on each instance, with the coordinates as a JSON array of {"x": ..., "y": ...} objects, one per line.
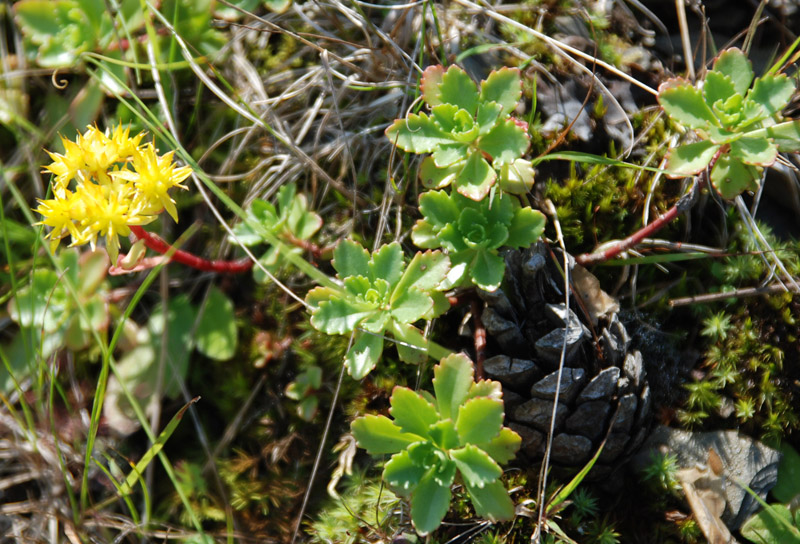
[
  {"x": 60, "y": 213},
  {"x": 118, "y": 182},
  {"x": 153, "y": 177},
  {"x": 108, "y": 213}
]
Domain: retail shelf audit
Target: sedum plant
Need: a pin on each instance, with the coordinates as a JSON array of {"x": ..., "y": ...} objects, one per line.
[
  {"x": 472, "y": 232},
  {"x": 470, "y": 133},
  {"x": 380, "y": 295},
  {"x": 738, "y": 119},
  {"x": 459, "y": 432},
  {"x": 290, "y": 220}
]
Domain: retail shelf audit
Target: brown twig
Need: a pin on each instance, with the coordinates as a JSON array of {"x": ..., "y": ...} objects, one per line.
[{"x": 479, "y": 336}]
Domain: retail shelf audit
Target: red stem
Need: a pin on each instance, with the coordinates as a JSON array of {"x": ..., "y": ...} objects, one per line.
[
  {"x": 155, "y": 243},
  {"x": 683, "y": 205}
]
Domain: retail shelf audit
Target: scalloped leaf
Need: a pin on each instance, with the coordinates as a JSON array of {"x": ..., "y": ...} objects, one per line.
[
  {"x": 425, "y": 272},
  {"x": 338, "y": 316},
  {"x": 320, "y": 294},
  {"x": 486, "y": 388},
  {"x": 516, "y": 178},
  {"x": 457, "y": 88},
  {"x": 476, "y": 177},
  {"x": 717, "y": 86},
  {"x": 412, "y": 347},
  {"x": 735, "y": 64},
  {"x": 350, "y": 259},
  {"x": 731, "y": 177},
  {"x": 505, "y": 143},
  {"x": 475, "y": 465},
  {"x": 685, "y": 104},
  {"x": 443, "y": 433},
  {"x": 387, "y": 263},
  {"x": 491, "y": 501},
  {"x": 479, "y": 420},
  {"x": 411, "y": 412},
  {"x": 526, "y": 227},
  {"x": 378, "y": 435},
  {"x": 434, "y": 177},
  {"x": 487, "y": 116},
  {"x": 689, "y": 159},
  {"x": 438, "y": 209},
  {"x": 453, "y": 377},
  {"x": 363, "y": 355},
  {"x": 430, "y": 83},
  {"x": 784, "y": 135},
  {"x": 773, "y": 93},
  {"x": 301, "y": 222},
  {"x": 486, "y": 270},
  {"x": 503, "y": 86},
  {"x": 503, "y": 447},
  {"x": 449, "y": 158},
  {"x": 417, "y": 133},
  {"x": 755, "y": 151},
  {"x": 430, "y": 503},
  {"x": 402, "y": 474},
  {"x": 411, "y": 305}
]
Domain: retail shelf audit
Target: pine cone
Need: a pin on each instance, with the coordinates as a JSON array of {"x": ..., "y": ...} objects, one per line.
[{"x": 603, "y": 390}]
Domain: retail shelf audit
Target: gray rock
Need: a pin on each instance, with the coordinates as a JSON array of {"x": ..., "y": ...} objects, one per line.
[
  {"x": 517, "y": 374},
  {"x": 571, "y": 449},
  {"x": 571, "y": 380},
  {"x": 602, "y": 386},
  {"x": 625, "y": 414},
  {"x": 533, "y": 261},
  {"x": 589, "y": 419},
  {"x": 743, "y": 459},
  {"x": 549, "y": 346},
  {"x": 615, "y": 445},
  {"x": 537, "y": 413},
  {"x": 638, "y": 439},
  {"x": 633, "y": 368},
  {"x": 506, "y": 332},
  {"x": 532, "y": 440}
]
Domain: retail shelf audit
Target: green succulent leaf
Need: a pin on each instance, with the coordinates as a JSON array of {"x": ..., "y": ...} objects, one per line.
[
  {"x": 387, "y": 263},
  {"x": 772, "y": 525},
  {"x": 340, "y": 315},
  {"x": 438, "y": 208},
  {"x": 526, "y": 227},
  {"x": 491, "y": 501},
  {"x": 784, "y": 135},
  {"x": 411, "y": 412},
  {"x": 434, "y": 177},
  {"x": 505, "y": 143},
  {"x": 456, "y": 87},
  {"x": 425, "y": 272},
  {"x": 772, "y": 93},
  {"x": 486, "y": 388},
  {"x": 475, "y": 465},
  {"x": 350, "y": 259},
  {"x": 734, "y": 64},
  {"x": 487, "y": 116},
  {"x": 685, "y": 104},
  {"x": 486, "y": 270},
  {"x": 516, "y": 178},
  {"x": 302, "y": 223},
  {"x": 446, "y": 159},
  {"x": 503, "y": 86},
  {"x": 320, "y": 294},
  {"x": 755, "y": 151},
  {"x": 453, "y": 377},
  {"x": 443, "y": 433},
  {"x": 689, "y": 159},
  {"x": 476, "y": 177},
  {"x": 730, "y": 177},
  {"x": 363, "y": 355},
  {"x": 378, "y": 435},
  {"x": 479, "y": 420},
  {"x": 418, "y": 133},
  {"x": 402, "y": 474},
  {"x": 411, "y": 306},
  {"x": 216, "y": 333},
  {"x": 430, "y": 503},
  {"x": 503, "y": 447},
  {"x": 717, "y": 87},
  {"x": 412, "y": 347}
]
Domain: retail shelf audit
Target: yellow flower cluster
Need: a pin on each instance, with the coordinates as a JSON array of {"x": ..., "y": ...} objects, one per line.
[{"x": 118, "y": 182}]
